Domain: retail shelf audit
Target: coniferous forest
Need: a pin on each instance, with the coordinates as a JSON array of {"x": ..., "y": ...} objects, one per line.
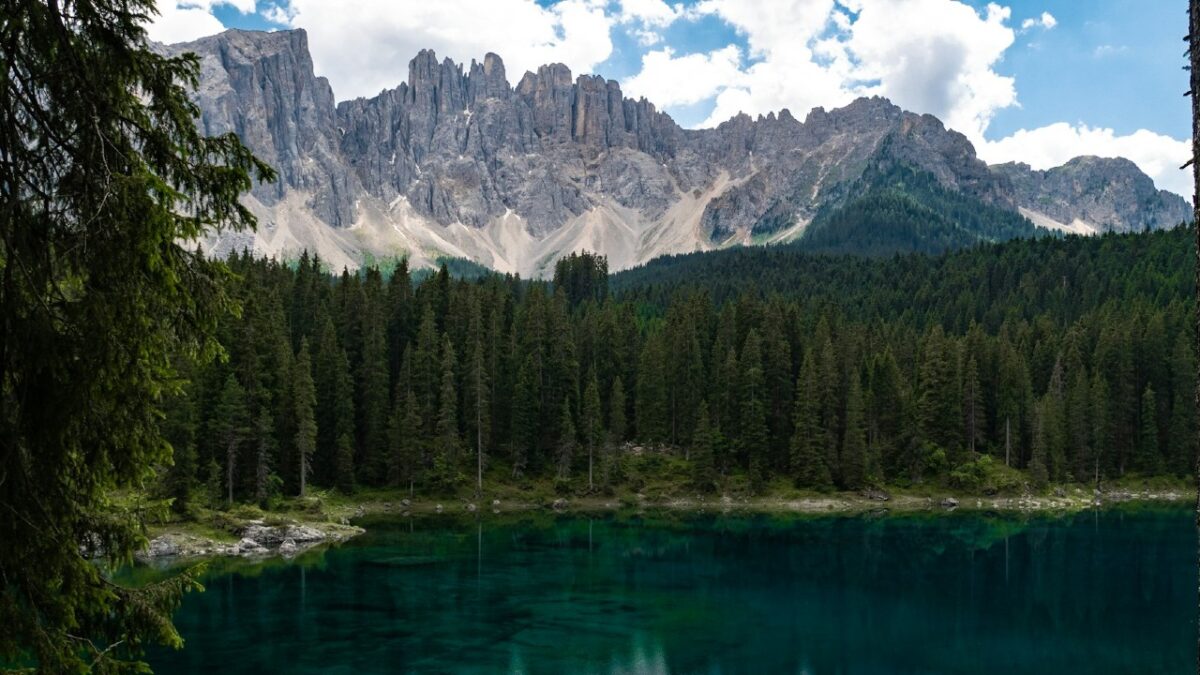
[{"x": 1069, "y": 359}]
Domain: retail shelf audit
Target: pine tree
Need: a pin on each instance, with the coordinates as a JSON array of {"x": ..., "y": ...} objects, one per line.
[
  {"x": 343, "y": 451},
  {"x": 854, "y": 444},
  {"x": 264, "y": 427},
  {"x": 344, "y": 464},
  {"x": 233, "y": 428},
  {"x": 426, "y": 368},
  {"x": 304, "y": 396},
  {"x": 1181, "y": 436},
  {"x": 328, "y": 371},
  {"x": 1149, "y": 459},
  {"x": 616, "y": 412},
  {"x": 808, "y": 459},
  {"x": 567, "y": 442},
  {"x": 1038, "y": 473},
  {"x": 704, "y": 475},
  {"x": 937, "y": 414},
  {"x": 447, "y": 445},
  {"x": 106, "y": 180},
  {"x": 651, "y": 401},
  {"x": 477, "y": 394},
  {"x": 1054, "y": 423},
  {"x": 1079, "y": 425},
  {"x": 753, "y": 440},
  {"x": 591, "y": 424},
  {"x": 973, "y": 410},
  {"x": 373, "y": 390},
  {"x": 405, "y": 440},
  {"x": 179, "y": 429},
  {"x": 526, "y": 415},
  {"x": 1101, "y": 436}
]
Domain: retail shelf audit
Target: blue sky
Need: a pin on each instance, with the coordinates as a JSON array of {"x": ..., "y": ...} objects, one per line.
[{"x": 1037, "y": 81}]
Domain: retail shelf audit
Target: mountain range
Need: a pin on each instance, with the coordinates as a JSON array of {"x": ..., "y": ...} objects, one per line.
[{"x": 458, "y": 162}]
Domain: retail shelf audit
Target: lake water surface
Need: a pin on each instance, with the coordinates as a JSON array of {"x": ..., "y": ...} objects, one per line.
[{"x": 1103, "y": 592}]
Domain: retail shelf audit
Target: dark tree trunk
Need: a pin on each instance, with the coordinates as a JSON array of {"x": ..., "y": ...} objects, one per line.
[{"x": 1193, "y": 40}]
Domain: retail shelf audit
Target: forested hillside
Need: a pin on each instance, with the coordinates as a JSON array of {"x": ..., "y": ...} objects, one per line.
[{"x": 1069, "y": 358}]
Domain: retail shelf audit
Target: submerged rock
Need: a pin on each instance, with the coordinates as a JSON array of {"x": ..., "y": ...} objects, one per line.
[{"x": 288, "y": 547}]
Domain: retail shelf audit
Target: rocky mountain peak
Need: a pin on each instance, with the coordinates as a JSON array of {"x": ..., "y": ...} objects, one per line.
[{"x": 456, "y": 161}]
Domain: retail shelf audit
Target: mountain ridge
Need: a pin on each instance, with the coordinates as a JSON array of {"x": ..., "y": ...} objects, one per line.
[{"x": 459, "y": 162}]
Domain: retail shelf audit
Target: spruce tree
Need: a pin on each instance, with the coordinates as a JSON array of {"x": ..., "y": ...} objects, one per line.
[
  {"x": 567, "y": 442},
  {"x": 343, "y": 425},
  {"x": 808, "y": 463},
  {"x": 1181, "y": 435},
  {"x": 973, "y": 410},
  {"x": 591, "y": 424},
  {"x": 704, "y": 475},
  {"x": 1038, "y": 473},
  {"x": 1149, "y": 458},
  {"x": 179, "y": 429},
  {"x": 616, "y": 412},
  {"x": 343, "y": 460},
  {"x": 304, "y": 395},
  {"x": 265, "y": 446},
  {"x": 232, "y": 430},
  {"x": 651, "y": 402},
  {"x": 477, "y": 395},
  {"x": 526, "y": 415},
  {"x": 854, "y": 443},
  {"x": 447, "y": 445},
  {"x": 107, "y": 184},
  {"x": 373, "y": 392},
  {"x": 753, "y": 439}
]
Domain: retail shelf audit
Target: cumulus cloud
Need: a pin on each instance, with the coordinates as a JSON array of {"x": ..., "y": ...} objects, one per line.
[
  {"x": 1158, "y": 155},
  {"x": 367, "y": 49},
  {"x": 935, "y": 56},
  {"x": 929, "y": 56},
  {"x": 669, "y": 80},
  {"x": 649, "y": 12},
  {"x": 186, "y": 20},
  {"x": 1046, "y": 21}
]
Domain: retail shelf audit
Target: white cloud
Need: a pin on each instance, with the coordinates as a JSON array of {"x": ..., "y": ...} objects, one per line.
[
  {"x": 649, "y": 12},
  {"x": 1049, "y": 146},
  {"x": 186, "y": 20},
  {"x": 1046, "y": 20},
  {"x": 1104, "y": 51},
  {"x": 935, "y": 56},
  {"x": 367, "y": 49},
  {"x": 931, "y": 56},
  {"x": 669, "y": 80}
]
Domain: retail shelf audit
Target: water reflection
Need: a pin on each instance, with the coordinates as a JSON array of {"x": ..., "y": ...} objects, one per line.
[{"x": 1105, "y": 593}]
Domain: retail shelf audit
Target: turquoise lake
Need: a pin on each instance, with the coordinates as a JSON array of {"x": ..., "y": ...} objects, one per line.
[{"x": 1095, "y": 592}]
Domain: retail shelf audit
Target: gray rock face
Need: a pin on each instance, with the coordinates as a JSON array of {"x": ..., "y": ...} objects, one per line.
[
  {"x": 261, "y": 87},
  {"x": 440, "y": 164},
  {"x": 1112, "y": 195}
]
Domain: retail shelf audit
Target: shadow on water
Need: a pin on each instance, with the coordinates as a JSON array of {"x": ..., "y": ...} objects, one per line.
[{"x": 1097, "y": 592}]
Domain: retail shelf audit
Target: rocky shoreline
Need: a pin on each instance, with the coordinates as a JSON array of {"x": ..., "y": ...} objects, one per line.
[{"x": 256, "y": 539}]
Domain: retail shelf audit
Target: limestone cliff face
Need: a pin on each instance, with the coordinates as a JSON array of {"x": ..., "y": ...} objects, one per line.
[
  {"x": 459, "y": 161},
  {"x": 261, "y": 86},
  {"x": 1105, "y": 194}
]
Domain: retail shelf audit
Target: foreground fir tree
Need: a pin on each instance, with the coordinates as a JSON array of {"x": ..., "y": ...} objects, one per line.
[{"x": 104, "y": 181}]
